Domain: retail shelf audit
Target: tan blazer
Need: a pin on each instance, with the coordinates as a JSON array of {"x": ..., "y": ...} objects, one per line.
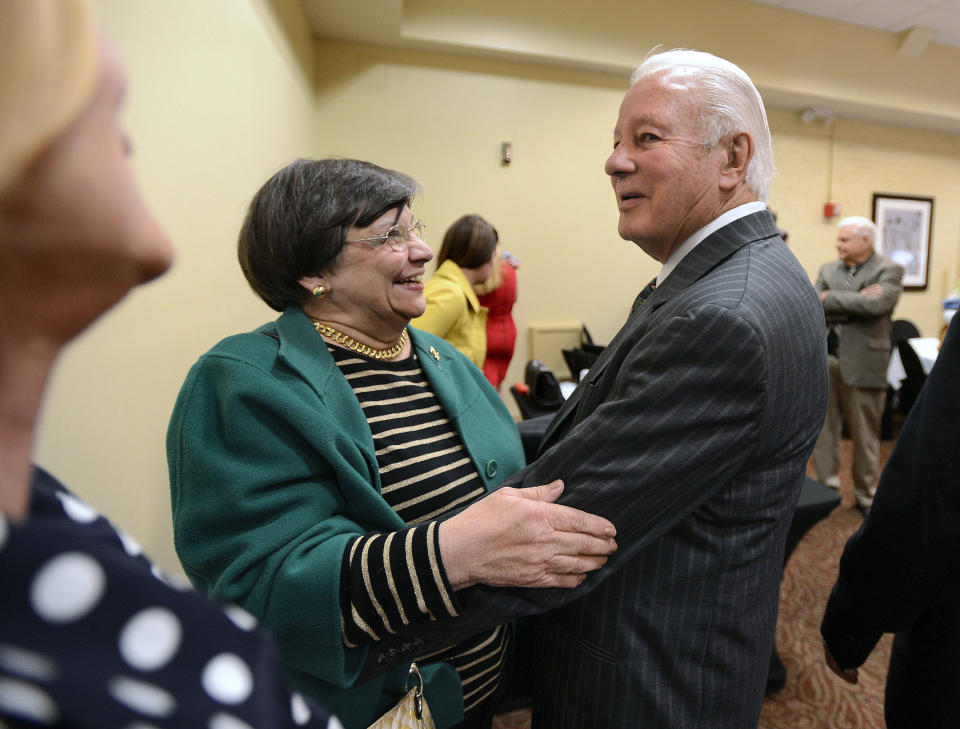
[
  {"x": 454, "y": 313},
  {"x": 863, "y": 321}
]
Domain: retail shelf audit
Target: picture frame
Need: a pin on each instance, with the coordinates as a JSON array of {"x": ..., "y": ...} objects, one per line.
[{"x": 904, "y": 233}]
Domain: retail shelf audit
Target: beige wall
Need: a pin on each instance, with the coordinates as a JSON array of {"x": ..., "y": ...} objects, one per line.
[
  {"x": 218, "y": 101},
  {"x": 442, "y": 118},
  {"x": 214, "y": 105},
  {"x": 868, "y": 158}
]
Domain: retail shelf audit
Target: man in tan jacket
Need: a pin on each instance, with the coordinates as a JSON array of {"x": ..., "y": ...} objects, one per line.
[{"x": 859, "y": 292}]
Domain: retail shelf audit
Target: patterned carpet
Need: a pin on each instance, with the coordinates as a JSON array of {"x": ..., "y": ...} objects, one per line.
[{"x": 813, "y": 698}]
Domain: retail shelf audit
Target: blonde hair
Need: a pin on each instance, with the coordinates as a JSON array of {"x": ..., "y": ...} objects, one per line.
[{"x": 49, "y": 60}]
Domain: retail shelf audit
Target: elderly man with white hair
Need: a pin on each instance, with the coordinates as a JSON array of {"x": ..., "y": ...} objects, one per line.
[
  {"x": 858, "y": 291},
  {"x": 691, "y": 432}
]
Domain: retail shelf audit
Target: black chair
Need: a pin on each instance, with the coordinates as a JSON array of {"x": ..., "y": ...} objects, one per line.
[
  {"x": 815, "y": 503},
  {"x": 900, "y": 331},
  {"x": 583, "y": 357},
  {"x": 910, "y": 386},
  {"x": 539, "y": 394},
  {"x": 580, "y": 359}
]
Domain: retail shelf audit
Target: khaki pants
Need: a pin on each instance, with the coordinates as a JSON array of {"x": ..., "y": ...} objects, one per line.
[{"x": 862, "y": 408}]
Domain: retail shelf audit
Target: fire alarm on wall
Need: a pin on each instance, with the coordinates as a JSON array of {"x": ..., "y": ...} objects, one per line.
[{"x": 831, "y": 209}]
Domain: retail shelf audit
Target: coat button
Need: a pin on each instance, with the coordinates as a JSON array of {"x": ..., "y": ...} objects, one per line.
[{"x": 491, "y": 468}]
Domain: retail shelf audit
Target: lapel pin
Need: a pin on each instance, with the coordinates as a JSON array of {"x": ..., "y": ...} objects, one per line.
[{"x": 435, "y": 353}]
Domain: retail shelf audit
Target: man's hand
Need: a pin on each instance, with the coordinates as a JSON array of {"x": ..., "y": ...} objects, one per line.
[
  {"x": 871, "y": 290},
  {"x": 824, "y": 294},
  {"x": 850, "y": 675}
]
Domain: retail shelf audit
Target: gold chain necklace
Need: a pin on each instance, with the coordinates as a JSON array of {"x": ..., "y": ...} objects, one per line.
[{"x": 352, "y": 344}]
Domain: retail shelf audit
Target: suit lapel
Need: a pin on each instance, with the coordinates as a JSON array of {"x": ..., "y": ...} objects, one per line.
[
  {"x": 716, "y": 247},
  {"x": 838, "y": 275},
  {"x": 436, "y": 368},
  {"x": 866, "y": 272}
]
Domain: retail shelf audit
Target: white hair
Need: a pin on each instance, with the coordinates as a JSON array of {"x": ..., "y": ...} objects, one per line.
[
  {"x": 861, "y": 226},
  {"x": 728, "y": 101}
]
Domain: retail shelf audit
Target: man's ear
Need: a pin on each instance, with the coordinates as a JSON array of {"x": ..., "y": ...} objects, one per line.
[{"x": 739, "y": 153}]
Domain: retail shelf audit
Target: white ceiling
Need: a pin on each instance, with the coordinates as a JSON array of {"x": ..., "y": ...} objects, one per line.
[{"x": 942, "y": 16}]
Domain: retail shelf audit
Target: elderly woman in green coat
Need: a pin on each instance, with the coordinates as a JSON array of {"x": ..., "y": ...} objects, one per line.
[{"x": 313, "y": 461}]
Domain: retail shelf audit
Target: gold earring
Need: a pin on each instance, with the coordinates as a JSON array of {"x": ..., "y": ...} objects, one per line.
[{"x": 320, "y": 291}]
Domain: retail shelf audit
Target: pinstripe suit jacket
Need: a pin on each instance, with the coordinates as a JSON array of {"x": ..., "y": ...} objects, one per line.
[{"x": 691, "y": 433}]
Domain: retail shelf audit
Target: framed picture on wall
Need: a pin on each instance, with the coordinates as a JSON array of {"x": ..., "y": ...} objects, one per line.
[{"x": 904, "y": 228}]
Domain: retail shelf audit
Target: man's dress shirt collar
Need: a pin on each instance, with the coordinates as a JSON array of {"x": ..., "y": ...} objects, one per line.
[{"x": 741, "y": 211}]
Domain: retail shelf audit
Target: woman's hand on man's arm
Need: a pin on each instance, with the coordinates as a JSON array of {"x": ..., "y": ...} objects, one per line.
[{"x": 520, "y": 538}]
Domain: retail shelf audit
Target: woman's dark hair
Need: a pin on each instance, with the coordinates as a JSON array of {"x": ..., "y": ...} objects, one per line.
[
  {"x": 470, "y": 242},
  {"x": 298, "y": 221}
]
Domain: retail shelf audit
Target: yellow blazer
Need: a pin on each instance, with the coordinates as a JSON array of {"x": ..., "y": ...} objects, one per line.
[{"x": 454, "y": 313}]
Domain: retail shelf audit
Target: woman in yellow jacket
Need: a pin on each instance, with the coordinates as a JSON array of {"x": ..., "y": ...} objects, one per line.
[{"x": 466, "y": 259}]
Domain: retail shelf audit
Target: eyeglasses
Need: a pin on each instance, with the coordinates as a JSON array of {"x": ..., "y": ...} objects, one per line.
[{"x": 398, "y": 237}]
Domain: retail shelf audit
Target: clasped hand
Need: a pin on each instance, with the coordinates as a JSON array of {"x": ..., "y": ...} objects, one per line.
[
  {"x": 850, "y": 675},
  {"x": 521, "y": 538}
]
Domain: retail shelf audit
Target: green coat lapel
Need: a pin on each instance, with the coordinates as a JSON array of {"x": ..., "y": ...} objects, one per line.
[{"x": 305, "y": 352}]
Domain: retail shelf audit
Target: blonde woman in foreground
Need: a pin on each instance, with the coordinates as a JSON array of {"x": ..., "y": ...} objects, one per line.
[{"x": 90, "y": 635}]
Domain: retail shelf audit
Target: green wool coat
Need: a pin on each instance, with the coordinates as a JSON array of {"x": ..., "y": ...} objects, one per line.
[{"x": 272, "y": 472}]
